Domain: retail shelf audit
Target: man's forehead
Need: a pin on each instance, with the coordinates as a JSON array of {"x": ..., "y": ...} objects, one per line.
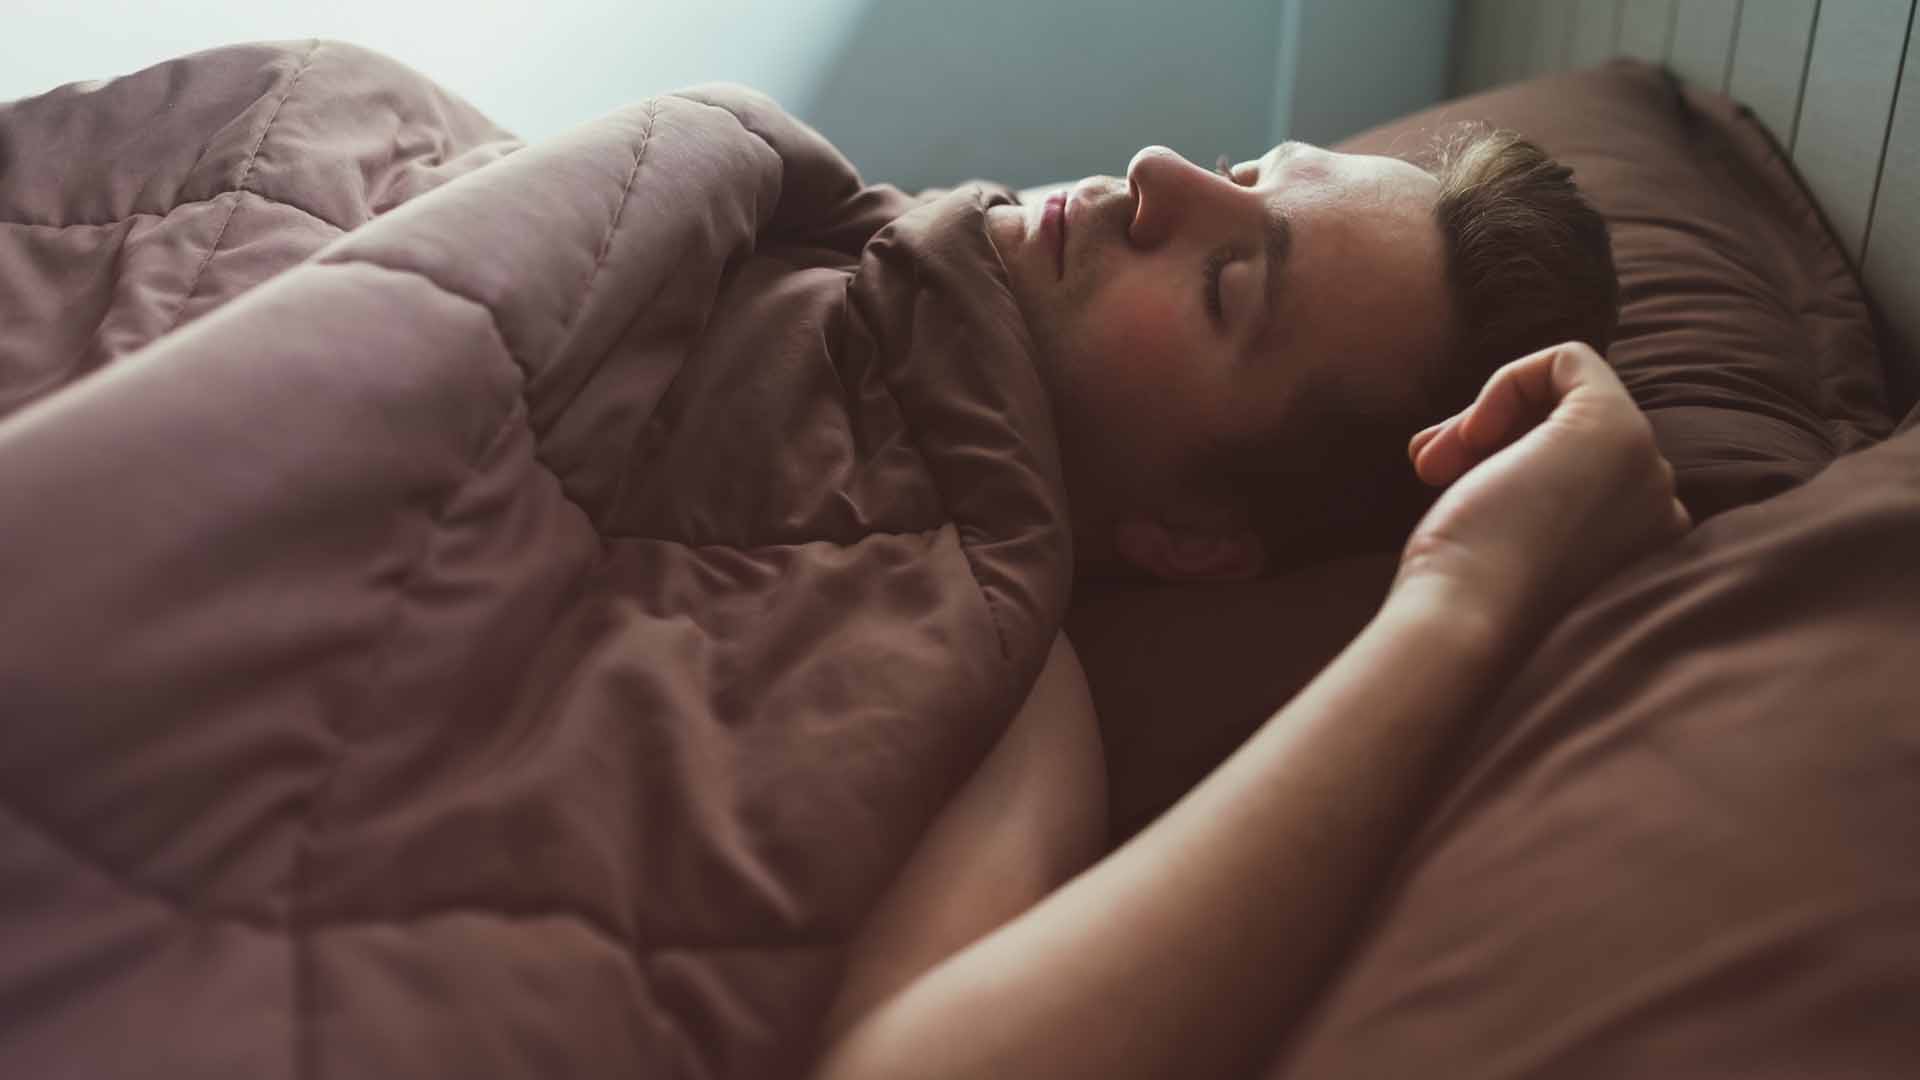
[
  {"x": 1307, "y": 154},
  {"x": 1365, "y": 291}
]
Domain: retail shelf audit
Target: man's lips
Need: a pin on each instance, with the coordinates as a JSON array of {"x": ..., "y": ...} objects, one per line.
[{"x": 1053, "y": 230}]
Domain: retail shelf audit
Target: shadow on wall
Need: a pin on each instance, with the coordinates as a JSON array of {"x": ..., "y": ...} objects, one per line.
[{"x": 926, "y": 93}]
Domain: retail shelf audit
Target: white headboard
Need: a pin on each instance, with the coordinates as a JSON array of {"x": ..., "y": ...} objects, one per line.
[{"x": 1824, "y": 75}]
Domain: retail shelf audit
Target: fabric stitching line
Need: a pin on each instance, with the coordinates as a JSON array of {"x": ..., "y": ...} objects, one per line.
[
  {"x": 178, "y": 905},
  {"x": 246, "y": 174},
  {"x": 744, "y": 126},
  {"x": 626, "y": 472},
  {"x": 619, "y": 216},
  {"x": 208, "y": 145},
  {"x": 639, "y": 306},
  {"x": 606, "y": 245},
  {"x": 168, "y": 212},
  {"x": 76, "y": 367},
  {"x": 646, "y": 143},
  {"x": 101, "y": 865},
  {"x": 620, "y": 494},
  {"x": 506, "y": 347},
  {"x": 606, "y": 241}
]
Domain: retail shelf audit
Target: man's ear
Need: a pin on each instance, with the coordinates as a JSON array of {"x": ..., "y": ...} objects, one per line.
[{"x": 1173, "y": 553}]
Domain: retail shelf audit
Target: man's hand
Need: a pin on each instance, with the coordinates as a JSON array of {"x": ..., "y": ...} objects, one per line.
[{"x": 1556, "y": 484}]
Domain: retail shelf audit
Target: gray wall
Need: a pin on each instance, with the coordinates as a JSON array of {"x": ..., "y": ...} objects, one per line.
[
  {"x": 1357, "y": 63},
  {"x": 917, "y": 92},
  {"x": 927, "y": 92}
]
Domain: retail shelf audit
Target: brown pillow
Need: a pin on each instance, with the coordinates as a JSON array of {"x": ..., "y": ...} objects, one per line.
[
  {"x": 1743, "y": 334},
  {"x": 1686, "y": 839},
  {"x": 1181, "y": 676}
]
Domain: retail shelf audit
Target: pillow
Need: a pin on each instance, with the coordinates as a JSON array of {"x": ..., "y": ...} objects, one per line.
[
  {"x": 1181, "y": 676},
  {"x": 1684, "y": 841},
  {"x": 1743, "y": 334}
]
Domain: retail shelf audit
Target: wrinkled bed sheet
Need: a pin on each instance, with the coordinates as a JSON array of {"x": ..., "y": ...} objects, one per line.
[{"x": 476, "y": 609}]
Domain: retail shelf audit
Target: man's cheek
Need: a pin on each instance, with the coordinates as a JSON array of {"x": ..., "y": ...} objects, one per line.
[{"x": 1144, "y": 333}]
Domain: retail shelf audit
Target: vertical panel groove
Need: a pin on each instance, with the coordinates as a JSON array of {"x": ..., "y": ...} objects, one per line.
[
  {"x": 1850, "y": 88},
  {"x": 1880, "y": 168},
  {"x": 1701, "y": 51},
  {"x": 1733, "y": 48},
  {"x": 1726, "y": 69},
  {"x": 1770, "y": 61},
  {"x": 1593, "y": 32},
  {"x": 1553, "y": 31},
  {"x": 1806, "y": 64},
  {"x": 1890, "y": 261},
  {"x": 1673, "y": 19}
]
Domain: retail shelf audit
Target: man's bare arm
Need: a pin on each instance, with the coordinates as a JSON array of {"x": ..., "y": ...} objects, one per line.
[
  {"x": 1175, "y": 954},
  {"x": 1187, "y": 951}
]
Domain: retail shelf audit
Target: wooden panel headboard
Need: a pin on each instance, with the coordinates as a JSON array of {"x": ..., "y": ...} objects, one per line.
[{"x": 1824, "y": 75}]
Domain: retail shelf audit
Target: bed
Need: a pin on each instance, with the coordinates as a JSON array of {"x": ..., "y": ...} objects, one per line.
[{"x": 1684, "y": 841}]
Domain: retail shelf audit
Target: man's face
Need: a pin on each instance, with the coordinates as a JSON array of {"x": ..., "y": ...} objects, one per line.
[{"x": 1179, "y": 307}]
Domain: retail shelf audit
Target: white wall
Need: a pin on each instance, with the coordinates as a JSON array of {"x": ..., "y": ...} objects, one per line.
[{"x": 535, "y": 68}]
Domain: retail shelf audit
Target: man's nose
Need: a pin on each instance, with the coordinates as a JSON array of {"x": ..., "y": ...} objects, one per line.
[{"x": 1168, "y": 192}]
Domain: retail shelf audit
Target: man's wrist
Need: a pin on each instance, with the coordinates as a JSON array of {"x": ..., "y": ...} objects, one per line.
[{"x": 1479, "y": 624}]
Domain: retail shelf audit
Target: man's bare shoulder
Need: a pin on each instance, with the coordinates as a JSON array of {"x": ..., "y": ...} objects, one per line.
[
  {"x": 1029, "y": 819},
  {"x": 1060, "y": 731}
]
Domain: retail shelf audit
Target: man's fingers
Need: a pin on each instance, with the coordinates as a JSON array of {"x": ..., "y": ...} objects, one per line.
[
  {"x": 1440, "y": 458},
  {"x": 1421, "y": 438},
  {"x": 1518, "y": 397}
]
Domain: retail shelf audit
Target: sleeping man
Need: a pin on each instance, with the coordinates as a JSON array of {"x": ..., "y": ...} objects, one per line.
[
  {"x": 1237, "y": 359},
  {"x": 472, "y": 603}
]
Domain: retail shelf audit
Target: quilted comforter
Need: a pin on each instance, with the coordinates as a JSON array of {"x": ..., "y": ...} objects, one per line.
[{"x": 475, "y": 609}]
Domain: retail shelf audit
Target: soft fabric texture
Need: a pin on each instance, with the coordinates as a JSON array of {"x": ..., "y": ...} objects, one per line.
[
  {"x": 1181, "y": 675},
  {"x": 1743, "y": 334},
  {"x": 1686, "y": 840},
  {"x": 480, "y": 610}
]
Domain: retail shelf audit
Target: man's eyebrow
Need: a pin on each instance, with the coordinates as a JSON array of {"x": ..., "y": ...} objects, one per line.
[
  {"x": 1279, "y": 239},
  {"x": 1278, "y": 236}
]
